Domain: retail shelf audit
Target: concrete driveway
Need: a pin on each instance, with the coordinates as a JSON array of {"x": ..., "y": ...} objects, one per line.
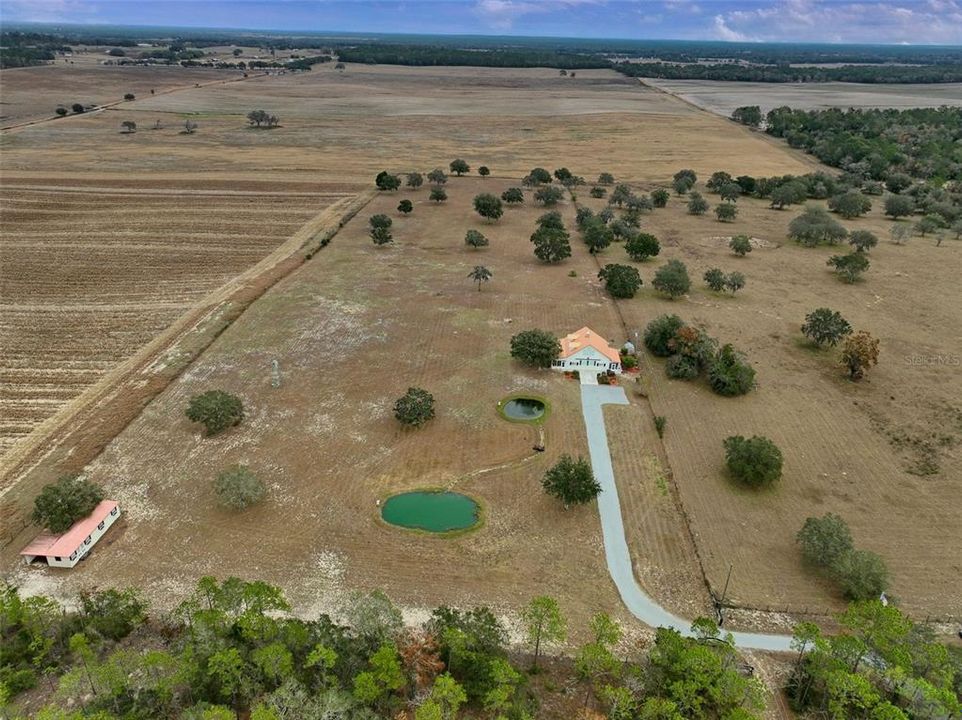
[{"x": 593, "y": 397}]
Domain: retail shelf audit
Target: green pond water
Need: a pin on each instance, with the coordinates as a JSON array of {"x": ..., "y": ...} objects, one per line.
[
  {"x": 431, "y": 511},
  {"x": 523, "y": 409}
]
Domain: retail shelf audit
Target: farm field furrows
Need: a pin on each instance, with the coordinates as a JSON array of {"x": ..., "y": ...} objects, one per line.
[{"x": 94, "y": 267}]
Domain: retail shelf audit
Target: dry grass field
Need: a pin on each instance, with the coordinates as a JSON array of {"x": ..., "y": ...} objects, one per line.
[
  {"x": 854, "y": 449},
  {"x": 723, "y": 97},
  {"x": 356, "y": 325}
]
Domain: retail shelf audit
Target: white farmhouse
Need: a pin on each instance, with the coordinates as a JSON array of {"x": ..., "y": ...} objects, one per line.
[
  {"x": 69, "y": 548},
  {"x": 585, "y": 349}
]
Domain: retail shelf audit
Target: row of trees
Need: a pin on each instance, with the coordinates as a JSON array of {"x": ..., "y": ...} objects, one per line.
[{"x": 234, "y": 649}]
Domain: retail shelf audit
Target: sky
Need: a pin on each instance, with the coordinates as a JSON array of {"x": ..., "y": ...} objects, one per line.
[{"x": 834, "y": 21}]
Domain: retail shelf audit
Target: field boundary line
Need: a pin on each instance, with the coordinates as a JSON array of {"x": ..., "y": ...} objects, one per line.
[
  {"x": 106, "y": 106},
  {"x": 76, "y": 434}
]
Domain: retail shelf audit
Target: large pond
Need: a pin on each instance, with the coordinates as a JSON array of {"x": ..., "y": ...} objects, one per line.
[
  {"x": 522, "y": 409},
  {"x": 432, "y": 511}
]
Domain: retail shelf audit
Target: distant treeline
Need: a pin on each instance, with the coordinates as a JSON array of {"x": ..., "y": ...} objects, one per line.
[
  {"x": 497, "y": 57},
  {"x": 678, "y": 59},
  {"x": 941, "y": 73},
  {"x": 925, "y": 143}
]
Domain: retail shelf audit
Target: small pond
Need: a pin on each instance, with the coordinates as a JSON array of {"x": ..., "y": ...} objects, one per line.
[
  {"x": 522, "y": 408},
  {"x": 432, "y": 511}
]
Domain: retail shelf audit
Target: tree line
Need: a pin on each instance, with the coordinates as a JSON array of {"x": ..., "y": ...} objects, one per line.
[{"x": 785, "y": 73}]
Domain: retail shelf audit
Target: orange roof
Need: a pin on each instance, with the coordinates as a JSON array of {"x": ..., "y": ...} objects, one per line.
[
  {"x": 586, "y": 337},
  {"x": 62, "y": 545}
]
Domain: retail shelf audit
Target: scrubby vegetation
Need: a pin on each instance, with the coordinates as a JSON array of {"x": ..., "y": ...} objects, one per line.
[
  {"x": 415, "y": 407},
  {"x": 216, "y": 410}
]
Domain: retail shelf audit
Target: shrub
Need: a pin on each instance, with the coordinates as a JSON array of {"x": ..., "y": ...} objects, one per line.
[
  {"x": 112, "y": 614},
  {"x": 825, "y": 326},
  {"x": 415, "y": 407},
  {"x": 697, "y": 205},
  {"x": 726, "y": 212},
  {"x": 606, "y": 179},
  {"x": 755, "y": 461},
  {"x": 672, "y": 279},
  {"x": 629, "y": 361},
  {"x": 598, "y": 192},
  {"x": 216, "y": 409},
  {"x": 238, "y": 488},
  {"x": 660, "y": 422},
  {"x": 849, "y": 267},
  {"x": 682, "y": 367},
  {"x": 380, "y": 229},
  {"x": 488, "y": 206},
  {"x": 484, "y": 171},
  {"x": 730, "y": 374},
  {"x": 694, "y": 344},
  {"x": 851, "y": 204},
  {"x": 77, "y": 108},
  {"x": 549, "y": 195},
  {"x": 437, "y": 177},
  {"x": 897, "y": 206},
  {"x": 415, "y": 180},
  {"x": 621, "y": 281},
  {"x": 571, "y": 481},
  {"x": 62, "y": 503},
  {"x": 715, "y": 279},
  {"x": 741, "y": 245},
  {"x": 734, "y": 282},
  {"x": 387, "y": 181},
  {"x": 859, "y": 353},
  {"x": 61, "y": 110},
  {"x": 824, "y": 540},
  {"x": 659, "y": 197},
  {"x": 862, "y": 240},
  {"x": 405, "y": 206},
  {"x": 535, "y": 347},
  {"x": 475, "y": 239},
  {"x": 513, "y": 196},
  {"x": 438, "y": 195},
  {"x": 597, "y": 235},
  {"x": 538, "y": 176},
  {"x": 660, "y": 332},
  {"x": 815, "y": 226},
  {"x": 641, "y": 246},
  {"x": 861, "y": 574}
]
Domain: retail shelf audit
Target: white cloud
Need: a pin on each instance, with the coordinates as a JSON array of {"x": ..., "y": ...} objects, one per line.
[
  {"x": 886, "y": 21},
  {"x": 45, "y": 10},
  {"x": 723, "y": 32},
  {"x": 501, "y": 14}
]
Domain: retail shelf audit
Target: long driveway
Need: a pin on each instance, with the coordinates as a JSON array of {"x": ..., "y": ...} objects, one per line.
[{"x": 593, "y": 397}]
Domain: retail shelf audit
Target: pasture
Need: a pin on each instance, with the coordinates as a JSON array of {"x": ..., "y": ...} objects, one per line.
[{"x": 356, "y": 325}]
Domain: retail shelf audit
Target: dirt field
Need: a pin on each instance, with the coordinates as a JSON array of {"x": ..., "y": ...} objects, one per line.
[
  {"x": 96, "y": 266},
  {"x": 723, "y": 97},
  {"x": 357, "y": 325}
]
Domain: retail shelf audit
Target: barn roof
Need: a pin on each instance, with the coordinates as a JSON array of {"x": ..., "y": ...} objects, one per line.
[
  {"x": 50, "y": 545},
  {"x": 586, "y": 337}
]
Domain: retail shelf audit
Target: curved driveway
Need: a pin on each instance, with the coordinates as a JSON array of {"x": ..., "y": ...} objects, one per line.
[{"x": 593, "y": 397}]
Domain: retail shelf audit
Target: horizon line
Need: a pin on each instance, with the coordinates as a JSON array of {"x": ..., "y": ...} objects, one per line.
[{"x": 369, "y": 33}]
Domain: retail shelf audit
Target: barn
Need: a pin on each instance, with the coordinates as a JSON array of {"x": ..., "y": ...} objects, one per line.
[
  {"x": 69, "y": 548},
  {"x": 585, "y": 349}
]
